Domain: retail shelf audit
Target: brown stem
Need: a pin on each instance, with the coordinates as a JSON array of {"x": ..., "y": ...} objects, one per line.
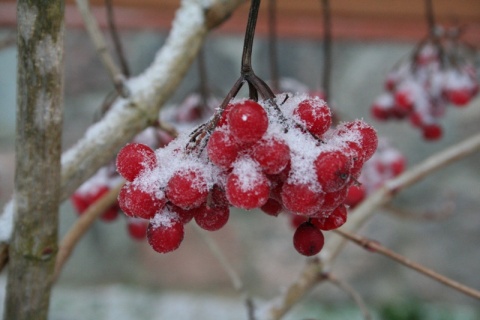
[
  {"x": 246, "y": 66},
  {"x": 430, "y": 17},
  {"x": 272, "y": 44},
  {"x": 327, "y": 49},
  {"x": 116, "y": 39},
  {"x": 374, "y": 246}
]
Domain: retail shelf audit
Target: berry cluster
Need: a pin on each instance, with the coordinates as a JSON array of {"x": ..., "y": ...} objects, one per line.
[
  {"x": 107, "y": 178},
  {"x": 440, "y": 73},
  {"x": 386, "y": 163},
  {"x": 257, "y": 156}
]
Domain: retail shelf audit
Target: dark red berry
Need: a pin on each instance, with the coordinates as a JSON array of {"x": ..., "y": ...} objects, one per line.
[
  {"x": 333, "y": 220},
  {"x": 333, "y": 170},
  {"x": 301, "y": 198},
  {"x": 212, "y": 218},
  {"x": 308, "y": 240},
  {"x": 137, "y": 228},
  {"x": 272, "y": 207}
]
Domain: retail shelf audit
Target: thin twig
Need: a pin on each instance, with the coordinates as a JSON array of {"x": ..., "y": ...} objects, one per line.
[
  {"x": 3, "y": 255},
  {"x": 100, "y": 45},
  {"x": 116, "y": 39},
  {"x": 446, "y": 211},
  {"x": 374, "y": 246},
  {"x": 385, "y": 194},
  {"x": 81, "y": 226},
  {"x": 357, "y": 298},
  {"x": 430, "y": 17},
  {"x": 327, "y": 49},
  {"x": 229, "y": 269},
  {"x": 272, "y": 44}
]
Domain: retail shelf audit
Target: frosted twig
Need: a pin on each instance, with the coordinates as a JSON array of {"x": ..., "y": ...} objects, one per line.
[
  {"x": 374, "y": 246},
  {"x": 357, "y": 298},
  {"x": 81, "y": 226},
  {"x": 100, "y": 45},
  {"x": 309, "y": 275}
]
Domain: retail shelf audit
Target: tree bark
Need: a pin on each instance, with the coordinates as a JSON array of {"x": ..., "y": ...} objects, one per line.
[{"x": 33, "y": 247}]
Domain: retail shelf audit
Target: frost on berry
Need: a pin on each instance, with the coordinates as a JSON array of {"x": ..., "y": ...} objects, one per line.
[
  {"x": 301, "y": 198},
  {"x": 307, "y": 239},
  {"x": 165, "y": 233},
  {"x": 247, "y": 187},
  {"x": 248, "y": 122},
  {"x": 333, "y": 170},
  {"x": 187, "y": 189},
  {"x": 315, "y": 115},
  {"x": 272, "y": 154},
  {"x": 222, "y": 149},
  {"x": 133, "y": 159},
  {"x": 136, "y": 202}
]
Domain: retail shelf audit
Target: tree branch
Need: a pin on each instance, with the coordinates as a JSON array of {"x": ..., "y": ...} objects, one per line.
[
  {"x": 149, "y": 91},
  {"x": 33, "y": 246}
]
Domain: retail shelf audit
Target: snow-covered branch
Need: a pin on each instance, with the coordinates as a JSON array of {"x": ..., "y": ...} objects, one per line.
[{"x": 148, "y": 93}]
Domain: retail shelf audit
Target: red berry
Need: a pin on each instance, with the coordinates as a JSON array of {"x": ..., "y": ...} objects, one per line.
[
  {"x": 221, "y": 149},
  {"x": 80, "y": 202},
  {"x": 355, "y": 195},
  {"x": 404, "y": 100},
  {"x": 166, "y": 236},
  {"x": 248, "y": 122},
  {"x": 212, "y": 218},
  {"x": 296, "y": 220},
  {"x": 110, "y": 214},
  {"x": 334, "y": 199},
  {"x": 272, "y": 155},
  {"x": 308, "y": 240},
  {"x": 397, "y": 166},
  {"x": 301, "y": 198},
  {"x": 187, "y": 189},
  {"x": 380, "y": 112},
  {"x": 367, "y": 136},
  {"x": 272, "y": 207},
  {"x": 184, "y": 216},
  {"x": 133, "y": 159},
  {"x": 247, "y": 191},
  {"x": 137, "y": 228},
  {"x": 432, "y": 131},
  {"x": 315, "y": 115},
  {"x": 135, "y": 202},
  {"x": 333, "y": 220},
  {"x": 333, "y": 170},
  {"x": 459, "y": 97}
]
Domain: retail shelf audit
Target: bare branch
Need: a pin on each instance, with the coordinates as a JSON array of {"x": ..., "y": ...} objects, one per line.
[
  {"x": 357, "y": 298},
  {"x": 374, "y": 246},
  {"x": 116, "y": 39},
  {"x": 382, "y": 196},
  {"x": 444, "y": 212},
  {"x": 229, "y": 269},
  {"x": 309, "y": 276},
  {"x": 81, "y": 226},
  {"x": 100, "y": 45}
]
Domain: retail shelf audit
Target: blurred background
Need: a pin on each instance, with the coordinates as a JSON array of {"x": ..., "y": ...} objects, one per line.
[{"x": 111, "y": 276}]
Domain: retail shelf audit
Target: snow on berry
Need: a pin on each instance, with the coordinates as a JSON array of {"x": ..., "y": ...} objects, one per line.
[
  {"x": 133, "y": 159},
  {"x": 440, "y": 73},
  {"x": 274, "y": 158}
]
